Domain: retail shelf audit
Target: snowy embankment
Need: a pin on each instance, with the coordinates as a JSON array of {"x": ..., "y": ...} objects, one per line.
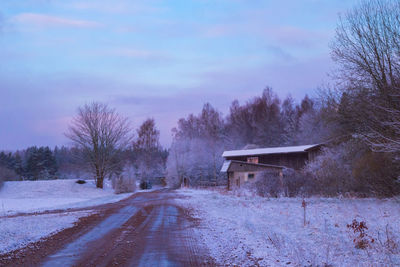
[
  {"x": 251, "y": 230},
  {"x": 18, "y": 232},
  {"x": 36, "y": 196}
]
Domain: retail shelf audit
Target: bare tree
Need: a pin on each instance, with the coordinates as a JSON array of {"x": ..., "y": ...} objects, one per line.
[
  {"x": 102, "y": 134},
  {"x": 367, "y": 50},
  {"x": 148, "y": 136},
  {"x": 150, "y": 155}
]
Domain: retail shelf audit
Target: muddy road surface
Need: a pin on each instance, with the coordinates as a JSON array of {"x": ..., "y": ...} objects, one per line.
[{"x": 147, "y": 229}]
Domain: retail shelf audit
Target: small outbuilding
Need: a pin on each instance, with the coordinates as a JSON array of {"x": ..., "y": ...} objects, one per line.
[{"x": 242, "y": 165}]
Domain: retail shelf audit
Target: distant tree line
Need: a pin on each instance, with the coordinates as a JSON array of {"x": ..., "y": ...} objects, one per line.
[
  {"x": 143, "y": 157},
  {"x": 32, "y": 164}
]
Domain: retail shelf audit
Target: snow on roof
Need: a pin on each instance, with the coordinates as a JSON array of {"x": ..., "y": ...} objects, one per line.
[
  {"x": 268, "y": 150},
  {"x": 225, "y": 166},
  {"x": 228, "y": 163}
]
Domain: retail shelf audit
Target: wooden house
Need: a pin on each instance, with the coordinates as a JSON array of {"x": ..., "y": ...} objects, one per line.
[{"x": 242, "y": 165}]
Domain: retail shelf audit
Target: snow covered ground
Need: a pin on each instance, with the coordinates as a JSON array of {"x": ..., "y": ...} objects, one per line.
[
  {"x": 249, "y": 230},
  {"x": 18, "y": 232},
  {"x": 33, "y": 196}
]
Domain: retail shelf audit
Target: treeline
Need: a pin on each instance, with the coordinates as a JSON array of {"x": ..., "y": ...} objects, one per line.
[
  {"x": 264, "y": 121},
  {"x": 40, "y": 163},
  {"x": 144, "y": 157},
  {"x": 30, "y": 164}
]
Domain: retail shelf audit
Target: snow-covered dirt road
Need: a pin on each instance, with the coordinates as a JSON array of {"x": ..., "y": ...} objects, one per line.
[{"x": 147, "y": 229}]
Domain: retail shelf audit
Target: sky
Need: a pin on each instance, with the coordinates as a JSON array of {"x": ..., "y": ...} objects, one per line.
[{"x": 159, "y": 59}]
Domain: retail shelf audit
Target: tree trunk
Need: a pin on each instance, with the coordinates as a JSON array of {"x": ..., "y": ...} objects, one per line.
[
  {"x": 99, "y": 178},
  {"x": 99, "y": 182}
]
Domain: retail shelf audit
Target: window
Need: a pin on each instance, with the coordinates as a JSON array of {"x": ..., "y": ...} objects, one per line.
[
  {"x": 250, "y": 175},
  {"x": 252, "y": 160}
]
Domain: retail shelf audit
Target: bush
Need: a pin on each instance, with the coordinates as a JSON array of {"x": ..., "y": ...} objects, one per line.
[
  {"x": 297, "y": 183},
  {"x": 291, "y": 184},
  {"x": 352, "y": 169},
  {"x": 376, "y": 173},
  {"x": 81, "y": 182},
  {"x": 330, "y": 172},
  {"x": 268, "y": 184},
  {"x": 124, "y": 182},
  {"x": 347, "y": 169},
  {"x": 361, "y": 238}
]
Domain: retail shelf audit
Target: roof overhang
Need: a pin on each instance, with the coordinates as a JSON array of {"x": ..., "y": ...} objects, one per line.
[
  {"x": 226, "y": 166},
  {"x": 269, "y": 150}
]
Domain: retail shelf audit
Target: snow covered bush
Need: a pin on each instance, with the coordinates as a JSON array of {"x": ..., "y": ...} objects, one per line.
[
  {"x": 124, "y": 182},
  {"x": 291, "y": 184},
  {"x": 330, "y": 172},
  {"x": 268, "y": 184},
  {"x": 352, "y": 169},
  {"x": 297, "y": 183}
]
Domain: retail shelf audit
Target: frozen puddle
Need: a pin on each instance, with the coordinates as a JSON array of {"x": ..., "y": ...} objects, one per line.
[{"x": 68, "y": 255}]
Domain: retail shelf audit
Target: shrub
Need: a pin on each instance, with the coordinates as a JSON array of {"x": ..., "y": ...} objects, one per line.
[
  {"x": 124, "y": 182},
  {"x": 376, "y": 173},
  {"x": 268, "y": 184},
  {"x": 330, "y": 172},
  {"x": 361, "y": 239},
  {"x": 291, "y": 184},
  {"x": 351, "y": 168},
  {"x": 81, "y": 182},
  {"x": 297, "y": 183}
]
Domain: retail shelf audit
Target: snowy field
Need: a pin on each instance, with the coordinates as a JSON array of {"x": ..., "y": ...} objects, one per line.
[
  {"x": 34, "y": 196},
  {"x": 249, "y": 230},
  {"x": 18, "y": 232}
]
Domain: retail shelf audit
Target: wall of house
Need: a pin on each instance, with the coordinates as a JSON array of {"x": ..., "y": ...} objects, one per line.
[
  {"x": 313, "y": 153},
  {"x": 238, "y": 179},
  {"x": 239, "y": 174},
  {"x": 290, "y": 160}
]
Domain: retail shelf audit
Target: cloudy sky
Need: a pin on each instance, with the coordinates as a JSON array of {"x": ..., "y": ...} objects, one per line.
[{"x": 161, "y": 59}]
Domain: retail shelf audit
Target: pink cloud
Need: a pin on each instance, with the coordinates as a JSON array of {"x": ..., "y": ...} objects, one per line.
[
  {"x": 290, "y": 35},
  {"x": 48, "y": 21},
  {"x": 136, "y": 53},
  {"x": 54, "y": 126},
  {"x": 120, "y": 7}
]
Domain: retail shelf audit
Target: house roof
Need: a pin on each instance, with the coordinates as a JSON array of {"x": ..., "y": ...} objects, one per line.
[
  {"x": 268, "y": 150},
  {"x": 228, "y": 163},
  {"x": 225, "y": 166}
]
